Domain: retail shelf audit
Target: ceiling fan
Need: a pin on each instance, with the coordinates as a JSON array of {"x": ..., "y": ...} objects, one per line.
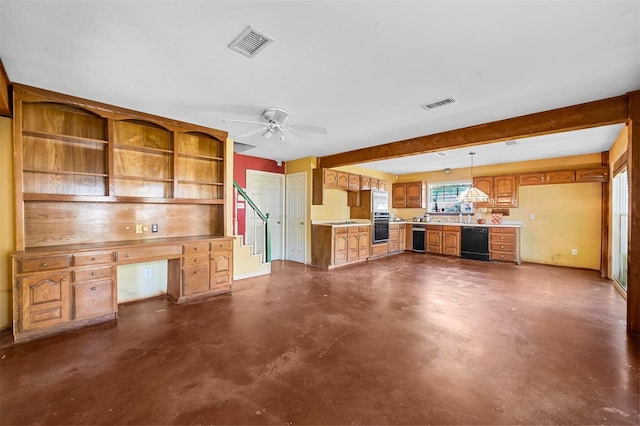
[{"x": 274, "y": 124}]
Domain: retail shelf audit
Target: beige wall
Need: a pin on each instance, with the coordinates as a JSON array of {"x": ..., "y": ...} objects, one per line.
[{"x": 7, "y": 221}]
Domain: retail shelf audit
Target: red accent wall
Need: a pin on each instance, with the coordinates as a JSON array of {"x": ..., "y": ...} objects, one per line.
[{"x": 242, "y": 163}]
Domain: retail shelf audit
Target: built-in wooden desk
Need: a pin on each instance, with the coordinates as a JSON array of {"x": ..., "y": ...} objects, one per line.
[{"x": 64, "y": 287}]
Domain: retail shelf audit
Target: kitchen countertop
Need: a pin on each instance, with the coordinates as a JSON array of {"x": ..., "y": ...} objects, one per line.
[
  {"x": 360, "y": 222},
  {"x": 504, "y": 224}
]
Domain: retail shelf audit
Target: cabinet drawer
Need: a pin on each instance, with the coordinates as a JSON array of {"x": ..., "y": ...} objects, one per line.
[
  {"x": 226, "y": 244},
  {"x": 195, "y": 280},
  {"x": 500, "y": 255},
  {"x": 379, "y": 249},
  {"x": 139, "y": 254},
  {"x": 503, "y": 230},
  {"x": 502, "y": 238},
  {"x": 89, "y": 274},
  {"x": 196, "y": 248},
  {"x": 503, "y": 247},
  {"x": 92, "y": 299},
  {"x": 93, "y": 258},
  {"x": 192, "y": 261},
  {"x": 44, "y": 263},
  {"x": 393, "y": 246}
]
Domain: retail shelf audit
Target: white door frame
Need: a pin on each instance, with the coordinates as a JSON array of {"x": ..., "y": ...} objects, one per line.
[
  {"x": 281, "y": 177},
  {"x": 289, "y": 216}
]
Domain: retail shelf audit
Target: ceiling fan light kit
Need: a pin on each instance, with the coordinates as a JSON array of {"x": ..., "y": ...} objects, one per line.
[{"x": 274, "y": 121}]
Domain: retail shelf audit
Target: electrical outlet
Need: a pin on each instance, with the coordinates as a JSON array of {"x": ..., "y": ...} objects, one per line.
[
  {"x": 532, "y": 216},
  {"x": 147, "y": 272},
  {"x": 154, "y": 227},
  {"x": 574, "y": 252},
  {"x": 138, "y": 229}
]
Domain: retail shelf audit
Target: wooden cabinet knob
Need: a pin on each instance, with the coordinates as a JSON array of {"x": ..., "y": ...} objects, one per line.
[
  {"x": 501, "y": 247},
  {"x": 127, "y": 255},
  {"x": 93, "y": 288},
  {"x": 63, "y": 279},
  {"x": 93, "y": 259},
  {"x": 44, "y": 264},
  {"x": 93, "y": 274}
]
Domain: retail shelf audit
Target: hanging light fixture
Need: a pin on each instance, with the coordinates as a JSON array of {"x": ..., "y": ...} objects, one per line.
[
  {"x": 472, "y": 194},
  {"x": 267, "y": 134}
]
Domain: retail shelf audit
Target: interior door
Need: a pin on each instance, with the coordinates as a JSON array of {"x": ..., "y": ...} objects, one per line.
[
  {"x": 296, "y": 217},
  {"x": 267, "y": 191}
]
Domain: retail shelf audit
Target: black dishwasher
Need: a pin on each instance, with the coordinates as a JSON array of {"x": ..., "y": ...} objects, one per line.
[{"x": 475, "y": 243}]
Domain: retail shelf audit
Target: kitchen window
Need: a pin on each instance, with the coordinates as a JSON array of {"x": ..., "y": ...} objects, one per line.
[{"x": 443, "y": 198}]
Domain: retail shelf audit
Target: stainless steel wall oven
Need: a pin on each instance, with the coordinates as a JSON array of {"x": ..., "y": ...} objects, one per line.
[{"x": 380, "y": 227}]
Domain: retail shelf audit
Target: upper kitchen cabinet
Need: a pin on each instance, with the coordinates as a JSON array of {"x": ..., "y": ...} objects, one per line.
[
  {"x": 502, "y": 190},
  {"x": 407, "y": 195}
]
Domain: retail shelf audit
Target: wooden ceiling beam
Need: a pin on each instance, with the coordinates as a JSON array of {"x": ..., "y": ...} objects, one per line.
[{"x": 591, "y": 114}]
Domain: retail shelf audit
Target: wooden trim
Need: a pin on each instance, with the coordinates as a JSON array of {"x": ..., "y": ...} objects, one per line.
[
  {"x": 18, "y": 177},
  {"x": 633, "y": 260},
  {"x": 604, "y": 221},
  {"x": 117, "y": 113},
  {"x": 620, "y": 163},
  {"x": 5, "y": 92},
  {"x": 592, "y": 114}
]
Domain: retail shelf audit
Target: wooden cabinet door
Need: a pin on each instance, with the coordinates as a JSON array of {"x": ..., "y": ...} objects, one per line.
[
  {"x": 343, "y": 180},
  {"x": 221, "y": 266},
  {"x": 561, "y": 176},
  {"x": 484, "y": 184},
  {"x": 451, "y": 242},
  {"x": 365, "y": 182},
  {"x": 374, "y": 183},
  {"x": 363, "y": 242},
  {"x": 399, "y": 195},
  {"x": 340, "y": 246},
  {"x": 592, "y": 175},
  {"x": 505, "y": 191},
  {"x": 402, "y": 238},
  {"x": 353, "y": 246},
  {"x": 195, "y": 280},
  {"x": 532, "y": 179},
  {"x": 45, "y": 300},
  {"x": 92, "y": 299},
  {"x": 414, "y": 194},
  {"x": 434, "y": 239},
  {"x": 382, "y": 185},
  {"x": 354, "y": 182},
  {"x": 330, "y": 178}
]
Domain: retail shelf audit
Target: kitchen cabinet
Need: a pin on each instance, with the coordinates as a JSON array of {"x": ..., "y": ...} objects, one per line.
[
  {"x": 335, "y": 246},
  {"x": 336, "y": 179},
  {"x": 541, "y": 178},
  {"x": 502, "y": 190},
  {"x": 407, "y": 195},
  {"x": 443, "y": 239},
  {"x": 598, "y": 174},
  {"x": 504, "y": 244},
  {"x": 397, "y": 237}
]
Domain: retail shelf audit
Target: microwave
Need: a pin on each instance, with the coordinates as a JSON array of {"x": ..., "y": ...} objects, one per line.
[{"x": 379, "y": 201}]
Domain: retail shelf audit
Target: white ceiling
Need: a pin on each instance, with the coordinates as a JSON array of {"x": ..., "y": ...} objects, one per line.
[{"x": 359, "y": 68}]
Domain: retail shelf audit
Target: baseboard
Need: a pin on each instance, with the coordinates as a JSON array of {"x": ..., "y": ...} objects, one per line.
[{"x": 252, "y": 274}]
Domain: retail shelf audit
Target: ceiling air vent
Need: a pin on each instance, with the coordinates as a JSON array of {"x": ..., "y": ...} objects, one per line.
[
  {"x": 441, "y": 154},
  {"x": 438, "y": 104},
  {"x": 250, "y": 42},
  {"x": 511, "y": 143}
]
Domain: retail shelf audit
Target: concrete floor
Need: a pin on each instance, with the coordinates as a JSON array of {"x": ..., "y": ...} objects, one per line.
[{"x": 406, "y": 339}]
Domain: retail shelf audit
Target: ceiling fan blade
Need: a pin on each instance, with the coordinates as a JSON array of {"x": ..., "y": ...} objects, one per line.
[
  {"x": 262, "y": 123},
  {"x": 308, "y": 129}
]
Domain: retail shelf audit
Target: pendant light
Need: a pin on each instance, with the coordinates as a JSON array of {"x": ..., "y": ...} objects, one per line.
[{"x": 472, "y": 194}]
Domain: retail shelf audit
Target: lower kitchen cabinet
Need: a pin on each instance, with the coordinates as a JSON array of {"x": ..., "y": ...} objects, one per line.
[
  {"x": 443, "y": 239},
  {"x": 339, "y": 245},
  {"x": 504, "y": 244},
  {"x": 397, "y": 237}
]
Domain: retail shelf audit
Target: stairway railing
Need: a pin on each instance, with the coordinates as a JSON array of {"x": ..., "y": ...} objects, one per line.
[{"x": 264, "y": 217}]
